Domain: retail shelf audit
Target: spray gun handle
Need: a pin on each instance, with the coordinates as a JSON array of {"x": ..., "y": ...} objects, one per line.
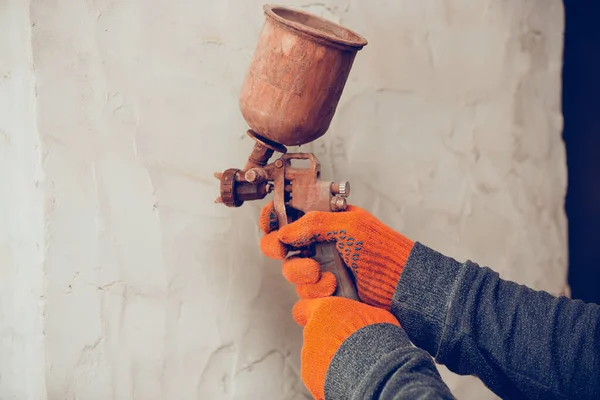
[{"x": 329, "y": 258}]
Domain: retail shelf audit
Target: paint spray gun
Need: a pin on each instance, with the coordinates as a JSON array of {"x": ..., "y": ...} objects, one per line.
[{"x": 295, "y": 80}]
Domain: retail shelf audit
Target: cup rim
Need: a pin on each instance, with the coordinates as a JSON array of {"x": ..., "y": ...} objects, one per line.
[{"x": 271, "y": 12}]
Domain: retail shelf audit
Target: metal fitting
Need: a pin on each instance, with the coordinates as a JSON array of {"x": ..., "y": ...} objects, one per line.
[
  {"x": 341, "y": 188},
  {"x": 255, "y": 175},
  {"x": 338, "y": 203}
]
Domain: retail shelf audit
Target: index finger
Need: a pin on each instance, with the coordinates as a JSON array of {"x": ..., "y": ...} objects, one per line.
[{"x": 268, "y": 218}]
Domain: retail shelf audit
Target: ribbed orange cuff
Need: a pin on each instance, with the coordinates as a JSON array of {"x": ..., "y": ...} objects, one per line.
[{"x": 379, "y": 276}]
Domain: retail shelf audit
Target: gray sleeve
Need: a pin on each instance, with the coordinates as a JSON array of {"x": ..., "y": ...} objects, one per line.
[
  {"x": 379, "y": 362},
  {"x": 521, "y": 343}
]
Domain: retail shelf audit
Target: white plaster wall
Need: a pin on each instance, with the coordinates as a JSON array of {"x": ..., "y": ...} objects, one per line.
[
  {"x": 22, "y": 241},
  {"x": 449, "y": 130}
]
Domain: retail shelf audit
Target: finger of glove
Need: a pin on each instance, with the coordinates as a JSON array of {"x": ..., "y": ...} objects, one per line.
[
  {"x": 303, "y": 310},
  {"x": 272, "y": 247},
  {"x": 268, "y": 218},
  {"x": 312, "y": 227},
  {"x": 301, "y": 271},
  {"x": 323, "y": 288},
  {"x": 306, "y": 310}
]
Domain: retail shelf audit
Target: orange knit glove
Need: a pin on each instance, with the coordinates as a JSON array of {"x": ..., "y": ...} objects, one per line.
[
  {"x": 327, "y": 323},
  {"x": 375, "y": 253}
]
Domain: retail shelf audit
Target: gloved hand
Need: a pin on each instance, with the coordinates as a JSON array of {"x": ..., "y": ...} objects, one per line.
[
  {"x": 375, "y": 253},
  {"x": 327, "y": 323}
]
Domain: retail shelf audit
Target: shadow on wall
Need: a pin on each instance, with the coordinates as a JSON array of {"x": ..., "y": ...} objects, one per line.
[{"x": 581, "y": 102}]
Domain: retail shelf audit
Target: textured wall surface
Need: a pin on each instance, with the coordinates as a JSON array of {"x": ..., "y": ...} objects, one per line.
[
  {"x": 128, "y": 282},
  {"x": 22, "y": 244}
]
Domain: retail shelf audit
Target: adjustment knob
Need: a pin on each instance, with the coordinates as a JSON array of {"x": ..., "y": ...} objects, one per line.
[
  {"x": 228, "y": 193},
  {"x": 341, "y": 188}
]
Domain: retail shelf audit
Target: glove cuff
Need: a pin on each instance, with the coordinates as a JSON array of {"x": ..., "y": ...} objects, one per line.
[{"x": 379, "y": 277}]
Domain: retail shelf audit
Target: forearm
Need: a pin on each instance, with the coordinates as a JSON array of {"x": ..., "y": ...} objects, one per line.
[
  {"x": 519, "y": 342},
  {"x": 379, "y": 362}
]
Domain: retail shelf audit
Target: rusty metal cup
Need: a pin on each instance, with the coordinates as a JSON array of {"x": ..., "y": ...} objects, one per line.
[{"x": 296, "y": 78}]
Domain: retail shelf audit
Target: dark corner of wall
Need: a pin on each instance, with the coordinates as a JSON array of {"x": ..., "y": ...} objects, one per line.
[{"x": 581, "y": 109}]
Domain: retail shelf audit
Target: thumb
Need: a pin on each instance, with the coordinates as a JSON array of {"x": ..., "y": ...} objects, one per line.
[{"x": 316, "y": 226}]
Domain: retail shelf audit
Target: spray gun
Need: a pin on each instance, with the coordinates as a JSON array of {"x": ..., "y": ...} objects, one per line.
[{"x": 289, "y": 96}]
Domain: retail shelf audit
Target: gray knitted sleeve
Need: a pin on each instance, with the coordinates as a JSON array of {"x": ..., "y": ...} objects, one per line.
[
  {"x": 520, "y": 342},
  {"x": 379, "y": 362}
]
